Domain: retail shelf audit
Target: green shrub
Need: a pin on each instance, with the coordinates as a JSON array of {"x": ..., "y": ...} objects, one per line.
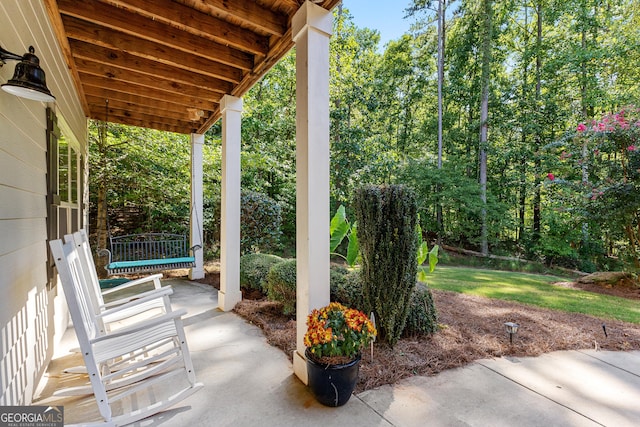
[
  {"x": 387, "y": 217},
  {"x": 346, "y": 288},
  {"x": 260, "y": 222},
  {"x": 281, "y": 285},
  {"x": 337, "y": 279},
  {"x": 345, "y": 285},
  {"x": 422, "y": 318},
  {"x": 254, "y": 269}
]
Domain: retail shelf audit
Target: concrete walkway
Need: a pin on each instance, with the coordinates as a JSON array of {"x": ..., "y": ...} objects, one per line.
[{"x": 247, "y": 382}]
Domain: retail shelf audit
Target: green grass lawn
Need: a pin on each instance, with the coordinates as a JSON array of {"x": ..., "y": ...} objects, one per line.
[{"x": 533, "y": 289}]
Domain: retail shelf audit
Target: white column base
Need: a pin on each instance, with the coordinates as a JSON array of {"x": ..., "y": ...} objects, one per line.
[
  {"x": 196, "y": 273},
  {"x": 300, "y": 367},
  {"x": 227, "y": 300}
]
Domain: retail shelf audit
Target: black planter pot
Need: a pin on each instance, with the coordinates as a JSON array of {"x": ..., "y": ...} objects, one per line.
[{"x": 332, "y": 385}]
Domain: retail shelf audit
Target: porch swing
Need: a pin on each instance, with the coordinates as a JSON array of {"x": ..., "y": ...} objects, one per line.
[{"x": 148, "y": 252}]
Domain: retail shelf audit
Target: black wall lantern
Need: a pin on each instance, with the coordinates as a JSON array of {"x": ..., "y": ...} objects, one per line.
[{"x": 28, "y": 78}]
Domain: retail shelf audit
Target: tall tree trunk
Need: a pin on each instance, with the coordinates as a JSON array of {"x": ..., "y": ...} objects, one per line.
[
  {"x": 484, "y": 115},
  {"x": 471, "y": 159},
  {"x": 101, "y": 217},
  {"x": 537, "y": 197},
  {"x": 525, "y": 111},
  {"x": 587, "y": 107},
  {"x": 441, "y": 35},
  {"x": 522, "y": 202}
]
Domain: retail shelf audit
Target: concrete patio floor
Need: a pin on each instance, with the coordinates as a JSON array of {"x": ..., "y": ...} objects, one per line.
[{"x": 247, "y": 382}]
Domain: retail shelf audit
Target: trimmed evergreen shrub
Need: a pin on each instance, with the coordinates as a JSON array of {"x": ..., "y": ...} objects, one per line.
[
  {"x": 260, "y": 222},
  {"x": 281, "y": 285},
  {"x": 254, "y": 269},
  {"x": 387, "y": 218},
  {"x": 422, "y": 318}
]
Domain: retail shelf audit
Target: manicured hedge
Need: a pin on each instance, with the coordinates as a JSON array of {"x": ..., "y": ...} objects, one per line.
[
  {"x": 281, "y": 285},
  {"x": 254, "y": 269},
  {"x": 346, "y": 288},
  {"x": 422, "y": 318}
]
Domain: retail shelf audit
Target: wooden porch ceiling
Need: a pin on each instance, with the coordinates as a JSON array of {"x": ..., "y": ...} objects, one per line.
[{"x": 165, "y": 64}]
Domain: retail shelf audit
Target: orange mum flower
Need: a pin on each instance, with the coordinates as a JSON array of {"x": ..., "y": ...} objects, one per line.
[{"x": 336, "y": 330}]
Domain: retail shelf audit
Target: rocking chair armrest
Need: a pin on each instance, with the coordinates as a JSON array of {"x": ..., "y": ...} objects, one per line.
[
  {"x": 154, "y": 277},
  {"x": 144, "y": 296},
  {"x": 139, "y": 326},
  {"x": 194, "y": 248},
  {"x": 151, "y": 296},
  {"x": 105, "y": 252}
]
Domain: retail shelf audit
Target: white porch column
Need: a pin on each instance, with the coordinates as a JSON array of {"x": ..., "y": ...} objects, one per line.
[
  {"x": 311, "y": 28},
  {"x": 229, "y": 294},
  {"x": 195, "y": 232}
]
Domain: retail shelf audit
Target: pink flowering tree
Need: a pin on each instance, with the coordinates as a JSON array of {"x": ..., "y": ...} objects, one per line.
[{"x": 598, "y": 180}]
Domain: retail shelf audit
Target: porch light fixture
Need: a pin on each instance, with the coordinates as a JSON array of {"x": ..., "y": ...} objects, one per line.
[
  {"x": 28, "y": 78},
  {"x": 512, "y": 329}
]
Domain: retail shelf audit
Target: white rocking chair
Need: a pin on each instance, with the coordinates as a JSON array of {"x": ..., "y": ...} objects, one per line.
[
  {"x": 159, "y": 344},
  {"x": 142, "y": 305},
  {"x": 152, "y": 302}
]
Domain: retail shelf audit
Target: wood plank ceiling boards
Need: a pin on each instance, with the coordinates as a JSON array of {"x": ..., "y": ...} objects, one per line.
[{"x": 165, "y": 64}]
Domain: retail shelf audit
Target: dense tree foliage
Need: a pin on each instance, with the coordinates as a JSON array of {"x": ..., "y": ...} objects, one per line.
[
  {"x": 596, "y": 182},
  {"x": 142, "y": 176},
  {"x": 544, "y": 66}
]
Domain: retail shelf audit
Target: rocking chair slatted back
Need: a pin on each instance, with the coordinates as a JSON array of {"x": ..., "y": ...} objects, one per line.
[{"x": 153, "y": 306}]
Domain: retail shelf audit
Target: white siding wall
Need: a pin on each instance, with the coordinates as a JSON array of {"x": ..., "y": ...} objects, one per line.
[{"x": 32, "y": 317}]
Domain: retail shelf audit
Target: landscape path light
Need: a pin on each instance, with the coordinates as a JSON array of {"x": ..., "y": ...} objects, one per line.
[{"x": 512, "y": 329}]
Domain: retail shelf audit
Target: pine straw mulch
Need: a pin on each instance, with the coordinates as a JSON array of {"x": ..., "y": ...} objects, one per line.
[{"x": 471, "y": 328}]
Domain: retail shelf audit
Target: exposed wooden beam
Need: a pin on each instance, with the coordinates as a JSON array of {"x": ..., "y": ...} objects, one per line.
[
  {"x": 291, "y": 4},
  {"x": 97, "y": 103},
  {"x": 128, "y": 76},
  {"x": 278, "y": 50},
  {"x": 144, "y": 92},
  {"x": 127, "y": 61},
  {"x": 105, "y": 37},
  {"x": 159, "y": 32},
  {"x": 251, "y": 13},
  {"x": 283, "y": 45},
  {"x": 200, "y": 23},
  {"x": 125, "y": 113},
  {"x": 100, "y": 94},
  {"x": 178, "y": 127}
]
